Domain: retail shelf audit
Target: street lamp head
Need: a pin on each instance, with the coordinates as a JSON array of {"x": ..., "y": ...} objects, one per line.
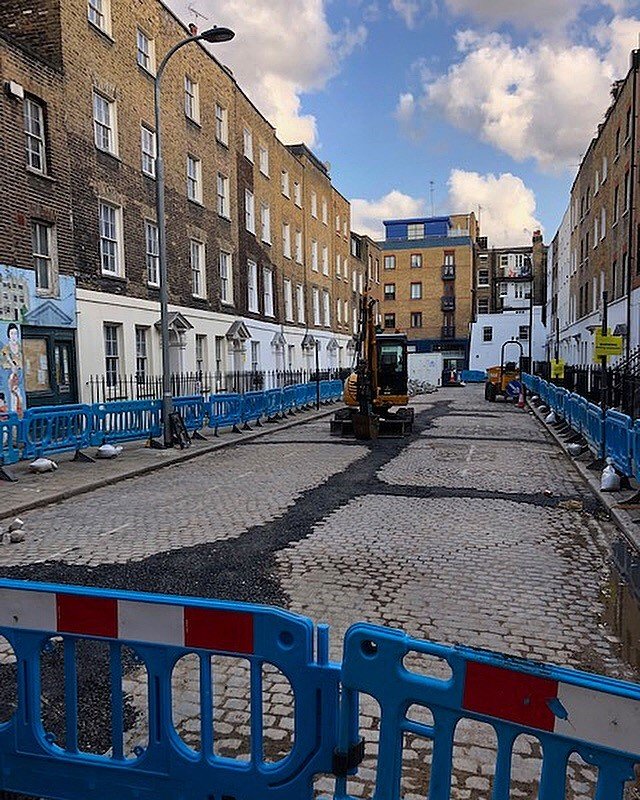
[{"x": 216, "y": 34}]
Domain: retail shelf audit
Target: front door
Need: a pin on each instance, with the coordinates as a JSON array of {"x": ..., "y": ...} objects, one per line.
[{"x": 49, "y": 366}]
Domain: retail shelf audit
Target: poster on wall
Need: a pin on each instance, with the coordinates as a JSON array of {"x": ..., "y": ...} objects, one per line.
[{"x": 12, "y": 396}]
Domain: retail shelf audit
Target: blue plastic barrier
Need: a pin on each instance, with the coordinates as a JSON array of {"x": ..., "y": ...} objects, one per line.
[
  {"x": 579, "y": 413},
  {"x": 273, "y": 402},
  {"x": 10, "y": 438},
  {"x": 224, "y": 410},
  {"x": 594, "y": 430},
  {"x": 126, "y": 421},
  {"x": 619, "y": 441},
  {"x": 527, "y": 380},
  {"x": 301, "y": 395},
  {"x": 562, "y": 397},
  {"x": 288, "y": 398},
  {"x": 161, "y": 630},
  {"x": 47, "y": 430},
  {"x": 325, "y": 391},
  {"x": 566, "y": 710},
  {"x": 253, "y": 406},
  {"x": 193, "y": 409},
  {"x": 543, "y": 391},
  {"x": 473, "y": 376},
  {"x": 552, "y": 397},
  {"x": 337, "y": 388},
  {"x": 310, "y": 393}
]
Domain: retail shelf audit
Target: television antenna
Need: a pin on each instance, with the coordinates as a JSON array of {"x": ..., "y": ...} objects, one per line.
[
  {"x": 197, "y": 14},
  {"x": 431, "y": 190}
]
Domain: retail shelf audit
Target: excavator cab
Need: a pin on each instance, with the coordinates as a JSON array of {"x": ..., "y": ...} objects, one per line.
[{"x": 393, "y": 374}]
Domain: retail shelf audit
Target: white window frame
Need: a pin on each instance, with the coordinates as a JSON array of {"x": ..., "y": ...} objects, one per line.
[
  {"x": 141, "y": 334},
  {"x": 111, "y": 352},
  {"x": 297, "y": 194},
  {"x": 191, "y": 99},
  {"x": 247, "y": 144},
  {"x": 263, "y": 158},
  {"x": 286, "y": 240},
  {"x": 105, "y": 123},
  {"x": 284, "y": 183},
  {"x": 314, "y": 255},
  {"x": 35, "y": 135},
  {"x": 222, "y": 124},
  {"x": 222, "y": 193},
  {"x": 225, "y": 271},
  {"x": 338, "y": 266},
  {"x": 252, "y": 287},
  {"x": 298, "y": 247},
  {"x": 314, "y": 205},
  {"x": 99, "y": 15},
  {"x": 113, "y": 236},
  {"x": 249, "y": 211},
  {"x": 603, "y": 222},
  {"x": 152, "y": 252},
  {"x": 267, "y": 292},
  {"x": 300, "y": 303},
  {"x": 148, "y": 150},
  {"x": 325, "y": 259},
  {"x": 325, "y": 211},
  {"x": 265, "y": 222},
  {"x": 198, "y": 268},
  {"x": 44, "y": 253},
  {"x": 315, "y": 304},
  {"x": 145, "y": 51},
  {"x": 481, "y": 281},
  {"x": 415, "y": 290},
  {"x": 201, "y": 353},
  {"x": 288, "y": 300},
  {"x": 194, "y": 179},
  {"x": 326, "y": 308},
  {"x": 389, "y": 262},
  {"x": 337, "y": 223}
]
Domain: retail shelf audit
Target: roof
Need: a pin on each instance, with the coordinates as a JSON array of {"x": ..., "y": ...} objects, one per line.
[
  {"x": 427, "y": 242},
  {"x": 416, "y": 220}
]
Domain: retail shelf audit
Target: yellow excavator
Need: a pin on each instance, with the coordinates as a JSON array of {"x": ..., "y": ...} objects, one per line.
[{"x": 377, "y": 384}]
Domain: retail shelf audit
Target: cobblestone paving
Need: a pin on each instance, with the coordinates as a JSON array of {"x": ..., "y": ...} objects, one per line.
[{"x": 450, "y": 537}]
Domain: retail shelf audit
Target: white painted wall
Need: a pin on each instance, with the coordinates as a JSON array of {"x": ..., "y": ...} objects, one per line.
[
  {"x": 505, "y": 327},
  {"x": 425, "y": 367},
  {"x": 97, "y": 308}
]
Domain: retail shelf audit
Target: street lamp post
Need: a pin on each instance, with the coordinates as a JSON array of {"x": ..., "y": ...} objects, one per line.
[{"x": 214, "y": 34}]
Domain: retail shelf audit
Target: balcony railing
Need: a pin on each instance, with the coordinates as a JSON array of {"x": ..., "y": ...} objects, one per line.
[
  {"x": 448, "y": 272},
  {"x": 448, "y": 303},
  {"x": 448, "y": 331}
]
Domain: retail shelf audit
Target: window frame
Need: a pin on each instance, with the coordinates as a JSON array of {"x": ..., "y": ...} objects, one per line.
[
  {"x": 487, "y": 334},
  {"x": 247, "y": 143},
  {"x": 286, "y": 240},
  {"x": 117, "y": 241},
  {"x": 225, "y": 273},
  {"x": 152, "y": 255},
  {"x": 198, "y": 270},
  {"x": 223, "y": 199},
  {"x": 418, "y": 257},
  {"x": 413, "y": 285},
  {"x": 142, "y": 354},
  {"x": 249, "y": 211},
  {"x": 268, "y": 299},
  {"x": 102, "y": 8},
  {"x": 150, "y": 56},
  {"x": 150, "y": 155},
  {"x": 110, "y": 125},
  {"x": 253, "y": 302},
  {"x": 265, "y": 230},
  {"x": 50, "y": 258},
  {"x": 194, "y": 181},
  {"x": 222, "y": 124},
  {"x": 39, "y": 138},
  {"x": 263, "y": 159},
  {"x": 288, "y": 299},
  {"x": 191, "y": 99},
  {"x": 112, "y": 355}
]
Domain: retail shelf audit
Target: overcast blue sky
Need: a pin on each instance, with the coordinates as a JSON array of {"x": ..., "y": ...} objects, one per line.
[{"x": 492, "y": 100}]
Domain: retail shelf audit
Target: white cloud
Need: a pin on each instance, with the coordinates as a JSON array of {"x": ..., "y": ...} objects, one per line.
[
  {"x": 618, "y": 37},
  {"x": 540, "y": 101},
  {"x": 282, "y": 49},
  {"x": 532, "y": 13},
  {"x": 508, "y": 207},
  {"x": 408, "y": 10},
  {"x": 367, "y": 215},
  {"x": 406, "y": 108}
]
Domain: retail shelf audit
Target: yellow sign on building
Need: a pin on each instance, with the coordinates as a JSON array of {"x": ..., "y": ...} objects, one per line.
[
  {"x": 607, "y": 345},
  {"x": 557, "y": 368}
]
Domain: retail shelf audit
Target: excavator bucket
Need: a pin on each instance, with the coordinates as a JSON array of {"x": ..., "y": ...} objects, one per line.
[{"x": 365, "y": 426}]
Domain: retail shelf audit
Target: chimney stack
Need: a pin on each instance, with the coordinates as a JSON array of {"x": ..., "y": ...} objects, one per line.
[{"x": 193, "y": 29}]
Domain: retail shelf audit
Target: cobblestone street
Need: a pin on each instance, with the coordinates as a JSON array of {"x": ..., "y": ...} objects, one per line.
[{"x": 477, "y": 530}]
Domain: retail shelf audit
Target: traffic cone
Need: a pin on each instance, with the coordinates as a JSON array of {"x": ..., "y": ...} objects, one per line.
[{"x": 521, "y": 400}]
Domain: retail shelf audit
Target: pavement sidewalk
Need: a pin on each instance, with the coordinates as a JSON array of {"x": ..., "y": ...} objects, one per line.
[{"x": 137, "y": 458}]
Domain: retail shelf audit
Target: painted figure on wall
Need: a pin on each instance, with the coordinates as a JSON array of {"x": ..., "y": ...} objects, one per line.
[{"x": 11, "y": 364}]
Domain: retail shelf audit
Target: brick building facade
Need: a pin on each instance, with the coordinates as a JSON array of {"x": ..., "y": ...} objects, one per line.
[{"x": 258, "y": 237}]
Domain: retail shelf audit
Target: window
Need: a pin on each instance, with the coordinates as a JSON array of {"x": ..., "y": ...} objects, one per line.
[
  {"x": 297, "y": 194},
  {"x": 263, "y": 155},
  {"x": 286, "y": 240},
  {"x": 249, "y": 211},
  {"x": 596, "y": 183},
  {"x": 194, "y": 179},
  {"x": 142, "y": 355},
  {"x": 201, "y": 353},
  {"x": 146, "y": 51},
  {"x": 354, "y": 280},
  {"x": 152, "y": 252},
  {"x": 325, "y": 260},
  {"x": 298, "y": 247},
  {"x": 616, "y": 203},
  {"x": 483, "y": 277},
  {"x": 191, "y": 99},
  {"x": 222, "y": 124},
  {"x": 337, "y": 223},
  {"x": 604, "y": 168},
  {"x": 315, "y": 302},
  {"x": 111, "y": 353},
  {"x": 487, "y": 333},
  {"x": 98, "y": 12},
  {"x": 219, "y": 353},
  {"x": 265, "y": 222},
  {"x": 148, "y": 149},
  {"x": 389, "y": 291},
  {"x": 284, "y": 183},
  {"x": 627, "y": 130},
  {"x": 314, "y": 255},
  {"x": 603, "y": 222},
  {"x": 324, "y": 211},
  {"x": 326, "y": 305},
  {"x": 223, "y": 196},
  {"x": 252, "y": 286},
  {"x": 35, "y": 135},
  {"x": 389, "y": 262},
  {"x": 226, "y": 279},
  {"x": 288, "y": 300},
  {"x": 416, "y": 260},
  {"x": 416, "y": 291},
  {"x": 588, "y": 199},
  {"x": 596, "y": 230},
  {"x": 300, "y": 302},
  {"x": 110, "y": 238},
  {"x": 618, "y": 142},
  {"x": 314, "y": 205},
  {"x": 344, "y": 228},
  {"x": 416, "y": 319},
  {"x": 104, "y": 123},
  {"x": 389, "y": 320},
  {"x": 415, "y": 231},
  {"x": 338, "y": 266},
  {"x": 502, "y": 289},
  {"x": 626, "y": 191},
  {"x": 614, "y": 280},
  {"x": 255, "y": 356},
  {"x": 267, "y": 292},
  {"x": 247, "y": 144},
  {"x": 623, "y": 283},
  {"x": 339, "y": 311},
  {"x": 196, "y": 260},
  {"x": 483, "y": 305},
  {"x": 523, "y": 332},
  {"x": 42, "y": 239}
]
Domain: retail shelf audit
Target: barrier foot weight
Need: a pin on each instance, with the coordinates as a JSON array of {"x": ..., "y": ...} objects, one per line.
[
  {"x": 624, "y": 482},
  {"x": 236, "y": 429},
  {"x": 634, "y": 500},
  {"x": 5, "y": 475},
  {"x": 258, "y": 424},
  {"x": 155, "y": 444},
  {"x": 597, "y": 465},
  {"x": 245, "y": 427},
  {"x": 83, "y": 458},
  {"x": 198, "y": 437}
]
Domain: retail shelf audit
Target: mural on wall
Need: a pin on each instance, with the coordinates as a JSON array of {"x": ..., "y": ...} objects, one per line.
[
  {"x": 12, "y": 397},
  {"x": 21, "y": 303}
]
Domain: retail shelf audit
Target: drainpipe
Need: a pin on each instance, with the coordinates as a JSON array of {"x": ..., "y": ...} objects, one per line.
[{"x": 635, "y": 56}]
